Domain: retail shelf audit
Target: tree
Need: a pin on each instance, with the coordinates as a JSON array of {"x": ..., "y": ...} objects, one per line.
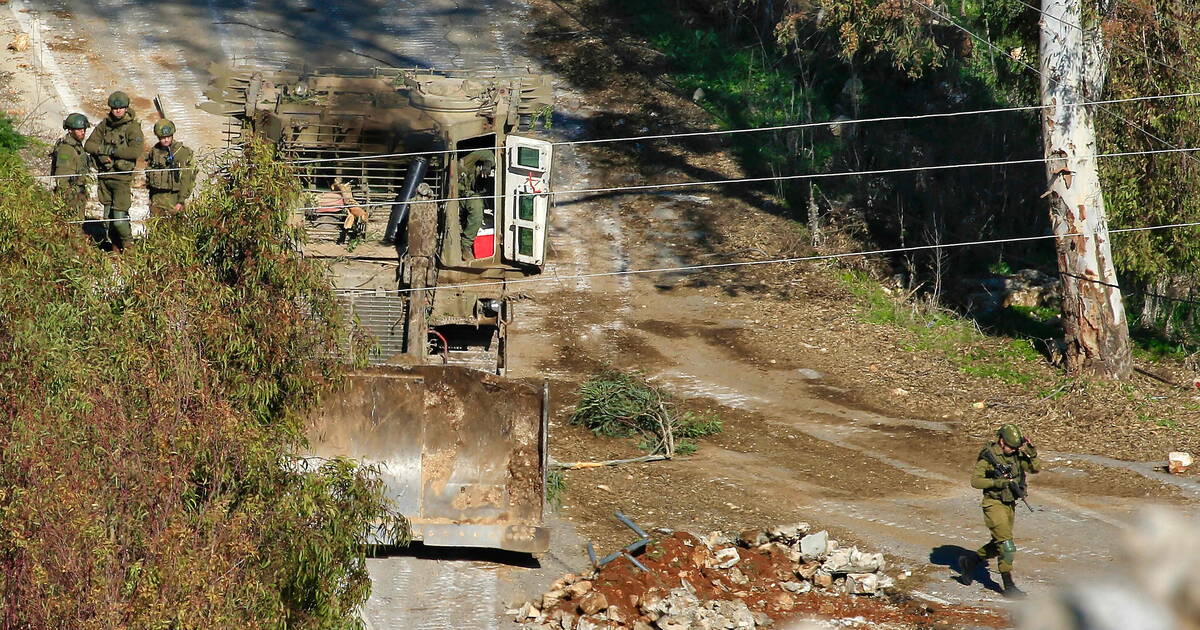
[{"x": 1074, "y": 64}]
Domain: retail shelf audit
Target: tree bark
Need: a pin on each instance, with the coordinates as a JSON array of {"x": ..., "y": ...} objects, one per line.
[{"x": 1074, "y": 61}]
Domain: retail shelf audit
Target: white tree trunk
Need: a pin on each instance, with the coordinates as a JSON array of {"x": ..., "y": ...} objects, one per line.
[{"x": 1073, "y": 64}]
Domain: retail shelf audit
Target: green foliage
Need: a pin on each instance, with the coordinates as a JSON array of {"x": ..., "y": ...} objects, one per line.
[
  {"x": 10, "y": 138},
  {"x": 623, "y": 404},
  {"x": 556, "y": 487},
  {"x": 154, "y": 405}
]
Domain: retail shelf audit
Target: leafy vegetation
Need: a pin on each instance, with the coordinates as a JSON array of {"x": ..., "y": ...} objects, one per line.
[
  {"x": 621, "y": 404},
  {"x": 154, "y": 407}
]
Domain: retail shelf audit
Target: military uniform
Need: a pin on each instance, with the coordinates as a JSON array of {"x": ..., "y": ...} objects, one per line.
[
  {"x": 69, "y": 158},
  {"x": 999, "y": 502},
  {"x": 471, "y": 185},
  {"x": 115, "y": 145},
  {"x": 169, "y": 187}
]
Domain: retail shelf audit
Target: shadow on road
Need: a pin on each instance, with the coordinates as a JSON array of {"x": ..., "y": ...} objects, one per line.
[
  {"x": 948, "y": 555},
  {"x": 464, "y": 554}
]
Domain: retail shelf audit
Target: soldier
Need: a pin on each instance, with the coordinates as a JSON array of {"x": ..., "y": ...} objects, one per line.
[
  {"x": 69, "y": 159},
  {"x": 475, "y": 172},
  {"x": 115, "y": 145},
  {"x": 1000, "y": 473},
  {"x": 169, "y": 171}
]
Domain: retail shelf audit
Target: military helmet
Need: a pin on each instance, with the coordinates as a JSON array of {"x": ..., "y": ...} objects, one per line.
[
  {"x": 164, "y": 128},
  {"x": 1011, "y": 435},
  {"x": 117, "y": 100},
  {"x": 76, "y": 121}
]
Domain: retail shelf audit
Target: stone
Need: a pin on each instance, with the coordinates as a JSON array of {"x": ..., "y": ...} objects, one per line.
[
  {"x": 752, "y": 538},
  {"x": 615, "y": 615},
  {"x": 20, "y": 43},
  {"x": 1178, "y": 462},
  {"x": 788, "y": 534},
  {"x": 815, "y": 546},
  {"x": 640, "y": 625},
  {"x": 781, "y": 601},
  {"x": 528, "y": 611},
  {"x": 796, "y": 587},
  {"x": 836, "y": 561},
  {"x": 823, "y": 580},
  {"x": 726, "y": 558},
  {"x": 738, "y": 613},
  {"x": 807, "y": 570},
  {"x": 672, "y": 623},
  {"x": 567, "y": 621},
  {"x": 862, "y": 583},
  {"x": 593, "y": 602},
  {"x": 587, "y": 624},
  {"x": 761, "y": 620},
  {"x": 550, "y": 598},
  {"x": 737, "y": 577},
  {"x": 716, "y": 539},
  {"x": 579, "y": 589},
  {"x": 853, "y": 561}
]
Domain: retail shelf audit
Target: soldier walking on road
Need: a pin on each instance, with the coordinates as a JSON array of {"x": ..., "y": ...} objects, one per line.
[
  {"x": 69, "y": 163},
  {"x": 170, "y": 174},
  {"x": 1000, "y": 473},
  {"x": 115, "y": 145}
]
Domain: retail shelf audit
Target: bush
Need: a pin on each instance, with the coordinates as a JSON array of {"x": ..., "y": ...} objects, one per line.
[
  {"x": 620, "y": 404},
  {"x": 154, "y": 405}
]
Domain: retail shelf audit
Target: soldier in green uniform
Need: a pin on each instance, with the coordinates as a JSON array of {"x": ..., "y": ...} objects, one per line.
[
  {"x": 170, "y": 174},
  {"x": 115, "y": 145},
  {"x": 69, "y": 163},
  {"x": 1000, "y": 472},
  {"x": 476, "y": 174}
]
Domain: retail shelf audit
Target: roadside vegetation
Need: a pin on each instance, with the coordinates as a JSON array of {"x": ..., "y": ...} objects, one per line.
[
  {"x": 154, "y": 404},
  {"x": 624, "y": 404}
]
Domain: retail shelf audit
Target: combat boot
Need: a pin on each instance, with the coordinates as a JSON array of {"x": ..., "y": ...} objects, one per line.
[
  {"x": 1010, "y": 588},
  {"x": 967, "y": 566}
]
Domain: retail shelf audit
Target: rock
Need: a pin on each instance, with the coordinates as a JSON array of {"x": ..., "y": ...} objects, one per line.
[
  {"x": 752, "y": 538},
  {"x": 807, "y": 570},
  {"x": 836, "y": 561},
  {"x": 567, "y": 620},
  {"x": 717, "y": 539},
  {"x": 593, "y": 602},
  {"x": 781, "y": 601},
  {"x": 900, "y": 391},
  {"x": 761, "y": 620},
  {"x": 698, "y": 95},
  {"x": 853, "y": 561},
  {"x": 796, "y": 587},
  {"x": 1178, "y": 462},
  {"x": 579, "y": 589},
  {"x": 615, "y": 615},
  {"x": 979, "y": 405},
  {"x": 726, "y": 558},
  {"x": 862, "y": 583},
  {"x": 737, "y": 577},
  {"x": 815, "y": 546},
  {"x": 550, "y": 598},
  {"x": 640, "y": 625},
  {"x": 672, "y": 623},
  {"x": 809, "y": 374},
  {"x": 789, "y": 534},
  {"x": 20, "y": 43},
  {"x": 588, "y": 624},
  {"x": 528, "y": 611},
  {"x": 823, "y": 580},
  {"x": 699, "y": 557}
]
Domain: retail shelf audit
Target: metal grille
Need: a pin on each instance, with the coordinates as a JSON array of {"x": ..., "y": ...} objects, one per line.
[{"x": 383, "y": 317}]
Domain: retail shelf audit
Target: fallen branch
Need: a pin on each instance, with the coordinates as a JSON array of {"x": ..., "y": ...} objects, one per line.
[{"x": 609, "y": 462}]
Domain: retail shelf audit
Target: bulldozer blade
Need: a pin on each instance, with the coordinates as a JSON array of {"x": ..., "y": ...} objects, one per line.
[{"x": 462, "y": 452}]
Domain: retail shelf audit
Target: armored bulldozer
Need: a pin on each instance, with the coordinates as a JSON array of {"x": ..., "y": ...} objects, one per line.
[{"x": 425, "y": 203}]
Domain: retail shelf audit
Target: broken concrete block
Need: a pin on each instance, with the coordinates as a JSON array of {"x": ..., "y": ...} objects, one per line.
[
  {"x": 1178, "y": 462},
  {"x": 579, "y": 589},
  {"x": 796, "y": 587},
  {"x": 726, "y": 558},
  {"x": 862, "y": 583},
  {"x": 593, "y": 602},
  {"x": 815, "y": 546}
]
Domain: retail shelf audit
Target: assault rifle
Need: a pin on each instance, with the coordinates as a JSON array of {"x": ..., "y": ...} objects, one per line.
[{"x": 1015, "y": 483}]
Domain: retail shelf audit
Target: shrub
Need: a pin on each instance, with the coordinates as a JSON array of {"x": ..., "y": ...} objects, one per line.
[
  {"x": 154, "y": 405},
  {"x": 620, "y": 404}
]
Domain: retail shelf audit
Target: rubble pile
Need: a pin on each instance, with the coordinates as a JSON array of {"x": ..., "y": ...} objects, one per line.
[{"x": 719, "y": 581}]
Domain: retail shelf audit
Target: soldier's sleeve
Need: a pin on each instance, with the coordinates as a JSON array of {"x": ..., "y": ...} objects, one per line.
[
  {"x": 134, "y": 140},
  {"x": 92, "y": 146},
  {"x": 1031, "y": 463},
  {"x": 187, "y": 176},
  {"x": 980, "y": 479},
  {"x": 58, "y": 159}
]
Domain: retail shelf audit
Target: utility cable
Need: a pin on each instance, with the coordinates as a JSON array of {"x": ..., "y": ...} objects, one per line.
[
  {"x": 694, "y": 134},
  {"x": 752, "y": 263}
]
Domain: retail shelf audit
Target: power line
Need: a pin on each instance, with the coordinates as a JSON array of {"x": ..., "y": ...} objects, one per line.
[
  {"x": 1079, "y": 28},
  {"x": 694, "y": 134},
  {"x": 773, "y": 178},
  {"x": 1038, "y": 72},
  {"x": 752, "y": 263}
]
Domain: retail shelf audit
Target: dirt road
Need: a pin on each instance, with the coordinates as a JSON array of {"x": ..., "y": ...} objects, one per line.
[{"x": 797, "y": 445}]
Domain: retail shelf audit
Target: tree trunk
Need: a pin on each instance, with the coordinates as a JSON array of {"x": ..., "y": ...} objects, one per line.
[{"x": 1073, "y": 64}]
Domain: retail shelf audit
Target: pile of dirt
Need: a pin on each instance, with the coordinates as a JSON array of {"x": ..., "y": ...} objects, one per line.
[{"x": 753, "y": 580}]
